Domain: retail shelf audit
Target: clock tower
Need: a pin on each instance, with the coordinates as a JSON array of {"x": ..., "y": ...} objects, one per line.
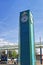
[{"x": 27, "y": 52}]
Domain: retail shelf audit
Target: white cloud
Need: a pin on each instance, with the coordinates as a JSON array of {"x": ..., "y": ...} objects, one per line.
[{"x": 4, "y": 42}]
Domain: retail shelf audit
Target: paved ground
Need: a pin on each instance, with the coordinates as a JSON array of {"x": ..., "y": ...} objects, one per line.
[
  {"x": 7, "y": 64},
  {"x": 37, "y": 63}
]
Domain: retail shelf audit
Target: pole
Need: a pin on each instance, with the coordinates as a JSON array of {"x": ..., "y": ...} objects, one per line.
[{"x": 40, "y": 52}]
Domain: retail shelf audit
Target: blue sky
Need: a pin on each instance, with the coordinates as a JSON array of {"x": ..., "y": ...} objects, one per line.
[{"x": 9, "y": 18}]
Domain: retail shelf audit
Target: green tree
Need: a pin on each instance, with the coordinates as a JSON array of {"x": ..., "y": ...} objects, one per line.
[
  {"x": 14, "y": 54},
  {"x": 10, "y": 54}
]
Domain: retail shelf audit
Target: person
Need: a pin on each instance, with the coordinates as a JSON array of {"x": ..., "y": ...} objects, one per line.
[
  {"x": 3, "y": 58},
  {"x": 17, "y": 60},
  {"x": 12, "y": 59}
]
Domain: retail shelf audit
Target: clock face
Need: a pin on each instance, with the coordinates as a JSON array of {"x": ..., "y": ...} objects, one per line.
[{"x": 24, "y": 18}]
